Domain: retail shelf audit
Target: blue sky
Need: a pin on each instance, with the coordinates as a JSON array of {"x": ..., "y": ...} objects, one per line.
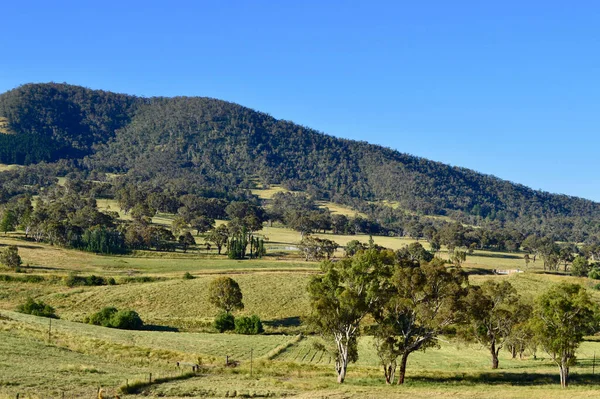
[{"x": 509, "y": 88}]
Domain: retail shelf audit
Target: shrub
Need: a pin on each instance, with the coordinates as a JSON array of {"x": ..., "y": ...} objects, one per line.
[
  {"x": 10, "y": 257},
  {"x": 594, "y": 274},
  {"x": 127, "y": 320},
  {"x": 597, "y": 287},
  {"x": 73, "y": 280},
  {"x": 580, "y": 267},
  {"x": 37, "y": 309},
  {"x": 224, "y": 322},
  {"x": 248, "y": 325},
  {"x": 188, "y": 276},
  {"x": 102, "y": 318},
  {"x": 113, "y": 318}
]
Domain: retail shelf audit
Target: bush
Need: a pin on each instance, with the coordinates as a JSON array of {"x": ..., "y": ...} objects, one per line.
[
  {"x": 248, "y": 325},
  {"x": 594, "y": 274},
  {"x": 102, "y": 318},
  {"x": 113, "y": 318},
  {"x": 127, "y": 320},
  {"x": 224, "y": 322},
  {"x": 37, "y": 309},
  {"x": 10, "y": 257},
  {"x": 597, "y": 287},
  {"x": 188, "y": 276},
  {"x": 73, "y": 280}
]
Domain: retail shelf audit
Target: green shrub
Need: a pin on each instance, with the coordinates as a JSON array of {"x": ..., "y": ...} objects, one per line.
[
  {"x": 140, "y": 279},
  {"x": 73, "y": 280},
  {"x": 113, "y": 318},
  {"x": 188, "y": 276},
  {"x": 37, "y": 309},
  {"x": 248, "y": 325},
  {"x": 594, "y": 274},
  {"x": 224, "y": 322},
  {"x": 127, "y": 320},
  {"x": 102, "y": 318}
]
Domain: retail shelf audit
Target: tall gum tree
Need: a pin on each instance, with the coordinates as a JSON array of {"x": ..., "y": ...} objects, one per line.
[
  {"x": 342, "y": 296},
  {"x": 562, "y": 316},
  {"x": 420, "y": 302}
]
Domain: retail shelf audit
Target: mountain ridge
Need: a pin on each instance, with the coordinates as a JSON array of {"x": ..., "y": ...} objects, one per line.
[{"x": 206, "y": 145}]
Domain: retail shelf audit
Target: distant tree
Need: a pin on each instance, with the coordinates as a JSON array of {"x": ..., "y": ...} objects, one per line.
[
  {"x": 493, "y": 310},
  {"x": 186, "y": 240},
  {"x": 562, "y": 316},
  {"x": 178, "y": 225},
  {"x": 415, "y": 252},
  {"x": 218, "y": 236},
  {"x": 315, "y": 248},
  {"x": 580, "y": 266},
  {"x": 353, "y": 247},
  {"x": 225, "y": 294},
  {"x": 8, "y": 221},
  {"x": 202, "y": 224},
  {"x": 141, "y": 212},
  {"x": 10, "y": 257}
]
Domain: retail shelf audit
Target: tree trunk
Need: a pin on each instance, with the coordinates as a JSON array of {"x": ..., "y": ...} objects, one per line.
[
  {"x": 494, "y": 356},
  {"x": 341, "y": 361},
  {"x": 564, "y": 375},
  {"x": 513, "y": 351},
  {"x": 402, "y": 368},
  {"x": 389, "y": 371}
]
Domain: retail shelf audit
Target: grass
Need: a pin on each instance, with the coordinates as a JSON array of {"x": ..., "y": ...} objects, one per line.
[
  {"x": 82, "y": 357},
  {"x": 280, "y": 299}
]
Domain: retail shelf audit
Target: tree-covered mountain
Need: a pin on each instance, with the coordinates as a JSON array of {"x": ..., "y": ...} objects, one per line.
[{"x": 209, "y": 146}]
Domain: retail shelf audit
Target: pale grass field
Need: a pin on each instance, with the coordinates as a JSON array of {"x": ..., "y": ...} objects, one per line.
[{"x": 81, "y": 357}]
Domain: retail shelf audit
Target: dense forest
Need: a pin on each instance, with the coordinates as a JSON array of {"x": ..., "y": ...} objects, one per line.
[{"x": 216, "y": 149}]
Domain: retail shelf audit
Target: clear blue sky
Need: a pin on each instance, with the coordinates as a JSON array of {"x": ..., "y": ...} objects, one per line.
[{"x": 510, "y": 88}]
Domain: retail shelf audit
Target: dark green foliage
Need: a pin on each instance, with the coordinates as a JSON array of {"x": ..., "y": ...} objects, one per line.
[
  {"x": 248, "y": 325},
  {"x": 103, "y": 240},
  {"x": 102, "y": 318},
  {"x": 73, "y": 280},
  {"x": 53, "y": 121},
  {"x": 10, "y": 257},
  {"x": 224, "y": 322},
  {"x": 127, "y": 320},
  {"x": 188, "y": 276},
  {"x": 139, "y": 279},
  {"x": 22, "y": 279},
  {"x": 236, "y": 248},
  {"x": 37, "y": 309},
  {"x": 113, "y": 318},
  {"x": 594, "y": 273}
]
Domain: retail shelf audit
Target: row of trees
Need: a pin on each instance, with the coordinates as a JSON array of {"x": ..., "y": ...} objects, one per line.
[{"x": 413, "y": 303}]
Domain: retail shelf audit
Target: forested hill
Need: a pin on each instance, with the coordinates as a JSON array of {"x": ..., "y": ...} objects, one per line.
[{"x": 196, "y": 144}]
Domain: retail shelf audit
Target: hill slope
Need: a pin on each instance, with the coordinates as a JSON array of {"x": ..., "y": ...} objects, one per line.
[{"x": 197, "y": 144}]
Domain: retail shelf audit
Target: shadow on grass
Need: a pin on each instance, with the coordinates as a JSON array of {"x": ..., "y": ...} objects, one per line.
[
  {"x": 480, "y": 271},
  {"x": 500, "y": 255},
  {"x": 153, "y": 327},
  {"x": 285, "y": 322},
  {"x": 508, "y": 378}
]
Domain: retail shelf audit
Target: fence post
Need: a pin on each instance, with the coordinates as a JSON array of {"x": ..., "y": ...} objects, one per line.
[
  {"x": 226, "y": 360},
  {"x": 251, "y": 351},
  {"x": 150, "y": 378},
  {"x": 50, "y": 331}
]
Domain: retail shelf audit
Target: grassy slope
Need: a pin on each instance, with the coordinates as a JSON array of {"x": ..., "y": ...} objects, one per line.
[{"x": 82, "y": 357}]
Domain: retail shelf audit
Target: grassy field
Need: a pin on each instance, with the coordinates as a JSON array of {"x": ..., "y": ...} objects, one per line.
[{"x": 79, "y": 358}]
